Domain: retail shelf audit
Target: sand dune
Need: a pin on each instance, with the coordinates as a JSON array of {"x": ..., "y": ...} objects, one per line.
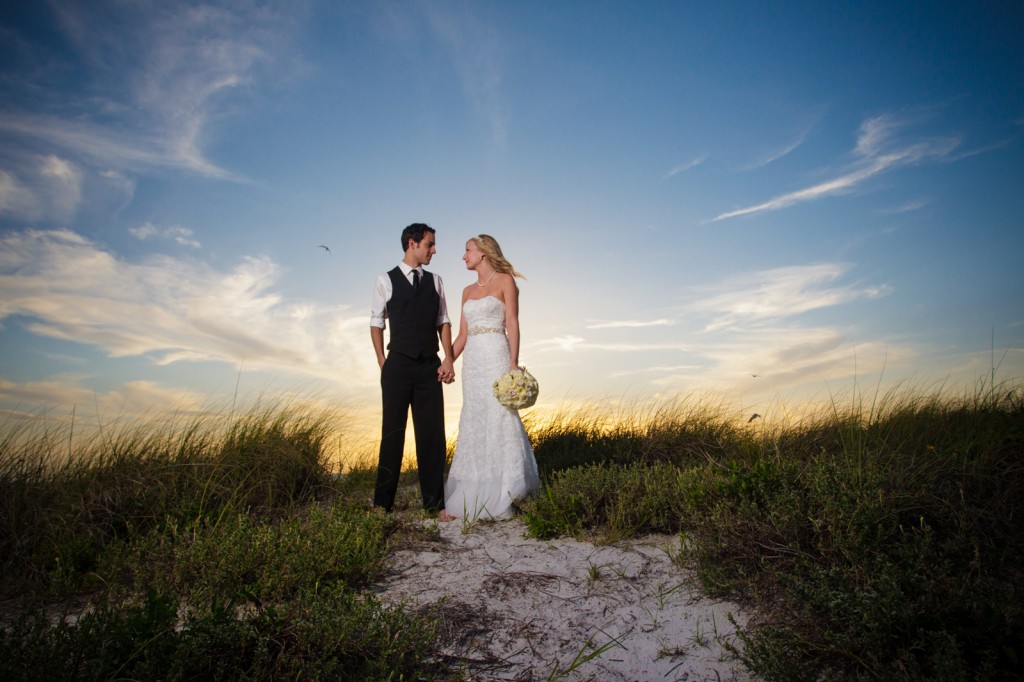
[{"x": 515, "y": 608}]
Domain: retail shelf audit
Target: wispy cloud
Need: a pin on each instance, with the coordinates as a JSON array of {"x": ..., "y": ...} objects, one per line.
[
  {"x": 572, "y": 344},
  {"x": 693, "y": 163},
  {"x": 754, "y": 333},
  {"x": 476, "y": 51},
  {"x": 742, "y": 335},
  {"x": 907, "y": 207},
  {"x": 876, "y": 151},
  {"x": 968, "y": 153},
  {"x": 631, "y": 324},
  {"x": 16, "y": 199},
  {"x": 49, "y": 188},
  {"x": 134, "y": 151},
  {"x": 172, "y": 310},
  {"x": 130, "y": 400},
  {"x": 659, "y": 369},
  {"x": 780, "y": 293},
  {"x": 180, "y": 235},
  {"x": 148, "y": 80},
  {"x": 781, "y": 152},
  {"x": 767, "y": 360}
]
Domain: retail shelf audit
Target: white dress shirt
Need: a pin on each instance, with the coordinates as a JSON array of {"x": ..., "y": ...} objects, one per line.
[{"x": 382, "y": 294}]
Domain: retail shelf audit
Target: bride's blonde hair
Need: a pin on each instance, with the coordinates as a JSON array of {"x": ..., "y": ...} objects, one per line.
[{"x": 489, "y": 246}]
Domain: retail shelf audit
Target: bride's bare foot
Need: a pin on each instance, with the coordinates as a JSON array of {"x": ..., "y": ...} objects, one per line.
[{"x": 443, "y": 516}]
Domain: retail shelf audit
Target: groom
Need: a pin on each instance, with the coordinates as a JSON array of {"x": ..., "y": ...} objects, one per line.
[{"x": 411, "y": 374}]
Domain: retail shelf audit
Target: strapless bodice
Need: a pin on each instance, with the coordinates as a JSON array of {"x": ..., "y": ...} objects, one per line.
[{"x": 487, "y": 312}]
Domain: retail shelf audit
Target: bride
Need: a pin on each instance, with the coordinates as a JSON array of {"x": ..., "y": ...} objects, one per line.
[{"x": 493, "y": 464}]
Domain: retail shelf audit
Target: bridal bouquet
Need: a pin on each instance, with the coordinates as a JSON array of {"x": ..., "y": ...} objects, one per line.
[{"x": 516, "y": 390}]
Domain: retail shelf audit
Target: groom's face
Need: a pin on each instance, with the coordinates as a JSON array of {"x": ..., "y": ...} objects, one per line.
[{"x": 423, "y": 250}]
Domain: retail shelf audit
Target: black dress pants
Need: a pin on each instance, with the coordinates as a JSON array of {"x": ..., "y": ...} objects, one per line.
[{"x": 411, "y": 382}]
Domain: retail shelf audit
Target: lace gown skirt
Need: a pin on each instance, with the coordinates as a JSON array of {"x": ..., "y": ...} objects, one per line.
[{"x": 493, "y": 464}]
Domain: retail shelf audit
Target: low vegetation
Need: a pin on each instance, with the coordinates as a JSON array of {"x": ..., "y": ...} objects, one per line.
[
  {"x": 870, "y": 542},
  {"x": 878, "y": 543},
  {"x": 205, "y": 551}
]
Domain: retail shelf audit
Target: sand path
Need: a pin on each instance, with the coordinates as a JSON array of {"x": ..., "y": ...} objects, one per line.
[{"x": 515, "y": 608}]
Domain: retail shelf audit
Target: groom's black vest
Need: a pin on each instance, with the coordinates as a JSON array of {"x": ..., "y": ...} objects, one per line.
[{"x": 413, "y": 315}]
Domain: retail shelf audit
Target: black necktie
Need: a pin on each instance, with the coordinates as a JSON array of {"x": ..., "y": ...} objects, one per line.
[{"x": 416, "y": 279}]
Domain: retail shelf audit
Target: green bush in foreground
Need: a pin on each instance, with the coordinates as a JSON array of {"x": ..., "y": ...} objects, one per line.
[
  {"x": 330, "y": 634},
  {"x": 198, "y": 552},
  {"x": 249, "y": 598},
  {"x": 263, "y": 559},
  {"x": 59, "y": 510},
  {"x": 880, "y": 546},
  {"x": 618, "y": 500}
]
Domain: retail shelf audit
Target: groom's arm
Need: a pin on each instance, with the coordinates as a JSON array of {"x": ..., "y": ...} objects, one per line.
[
  {"x": 378, "y": 315},
  {"x": 377, "y": 337},
  {"x": 446, "y": 372}
]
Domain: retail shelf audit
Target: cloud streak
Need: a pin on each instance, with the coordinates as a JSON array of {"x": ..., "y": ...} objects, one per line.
[
  {"x": 574, "y": 343},
  {"x": 631, "y": 324},
  {"x": 476, "y": 53},
  {"x": 693, "y": 163},
  {"x": 45, "y": 187},
  {"x": 782, "y": 152},
  {"x": 171, "y": 310},
  {"x": 127, "y": 151},
  {"x": 876, "y": 152},
  {"x": 180, "y": 235},
  {"x": 151, "y": 79},
  {"x": 780, "y": 293},
  {"x": 742, "y": 335},
  {"x": 770, "y": 359},
  {"x": 128, "y": 401}
]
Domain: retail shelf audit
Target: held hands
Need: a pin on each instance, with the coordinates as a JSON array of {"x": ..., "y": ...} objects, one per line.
[{"x": 446, "y": 372}]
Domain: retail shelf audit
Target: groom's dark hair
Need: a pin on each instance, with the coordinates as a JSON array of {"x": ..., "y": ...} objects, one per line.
[{"x": 415, "y": 232}]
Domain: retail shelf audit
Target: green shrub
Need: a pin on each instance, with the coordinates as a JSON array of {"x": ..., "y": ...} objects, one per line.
[
  {"x": 256, "y": 557},
  {"x": 609, "y": 500},
  {"x": 59, "y": 510},
  {"x": 329, "y": 634},
  {"x": 880, "y": 543}
]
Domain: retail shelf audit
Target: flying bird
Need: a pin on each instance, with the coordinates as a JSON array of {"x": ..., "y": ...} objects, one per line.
[
  {"x": 325, "y": 248},
  {"x": 753, "y": 417}
]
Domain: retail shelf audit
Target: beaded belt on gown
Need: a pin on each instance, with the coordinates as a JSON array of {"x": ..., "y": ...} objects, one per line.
[{"x": 473, "y": 331}]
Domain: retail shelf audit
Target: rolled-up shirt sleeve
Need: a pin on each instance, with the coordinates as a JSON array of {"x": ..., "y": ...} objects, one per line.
[
  {"x": 379, "y": 306},
  {"x": 442, "y": 308}
]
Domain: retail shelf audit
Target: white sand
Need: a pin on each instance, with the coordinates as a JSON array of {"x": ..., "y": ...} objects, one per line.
[{"x": 523, "y": 609}]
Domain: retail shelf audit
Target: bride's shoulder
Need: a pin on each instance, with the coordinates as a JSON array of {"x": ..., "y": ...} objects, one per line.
[{"x": 508, "y": 282}]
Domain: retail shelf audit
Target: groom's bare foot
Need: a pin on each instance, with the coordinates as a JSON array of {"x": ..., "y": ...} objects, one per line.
[{"x": 444, "y": 517}]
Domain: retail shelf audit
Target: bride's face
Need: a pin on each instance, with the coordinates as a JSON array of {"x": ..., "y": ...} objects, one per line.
[{"x": 473, "y": 255}]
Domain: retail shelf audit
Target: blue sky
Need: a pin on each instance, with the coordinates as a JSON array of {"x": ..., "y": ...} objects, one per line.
[{"x": 697, "y": 192}]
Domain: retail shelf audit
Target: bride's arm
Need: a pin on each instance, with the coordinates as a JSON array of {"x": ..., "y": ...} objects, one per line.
[
  {"x": 511, "y": 292},
  {"x": 460, "y": 340}
]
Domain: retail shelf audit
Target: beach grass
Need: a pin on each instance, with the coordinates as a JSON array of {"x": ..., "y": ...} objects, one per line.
[
  {"x": 873, "y": 538},
  {"x": 219, "y": 549}
]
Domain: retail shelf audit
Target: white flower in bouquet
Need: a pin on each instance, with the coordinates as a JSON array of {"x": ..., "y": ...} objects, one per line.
[{"x": 516, "y": 389}]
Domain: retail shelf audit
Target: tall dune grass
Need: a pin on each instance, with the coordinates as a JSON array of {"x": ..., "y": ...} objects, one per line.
[
  {"x": 668, "y": 431},
  {"x": 214, "y": 549},
  {"x": 875, "y": 541},
  {"x": 63, "y": 500}
]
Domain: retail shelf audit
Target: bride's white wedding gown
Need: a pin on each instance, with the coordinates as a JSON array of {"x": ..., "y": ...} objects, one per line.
[{"x": 493, "y": 464}]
